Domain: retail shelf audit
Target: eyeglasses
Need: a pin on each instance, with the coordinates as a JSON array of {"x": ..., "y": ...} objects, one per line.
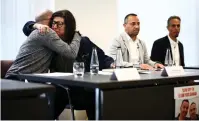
[{"x": 58, "y": 23}]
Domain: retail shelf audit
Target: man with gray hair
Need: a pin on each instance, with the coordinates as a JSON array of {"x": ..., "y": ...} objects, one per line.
[{"x": 170, "y": 42}]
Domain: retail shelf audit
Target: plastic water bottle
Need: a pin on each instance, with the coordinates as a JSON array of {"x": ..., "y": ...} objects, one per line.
[
  {"x": 119, "y": 58},
  {"x": 94, "y": 65},
  {"x": 168, "y": 60}
]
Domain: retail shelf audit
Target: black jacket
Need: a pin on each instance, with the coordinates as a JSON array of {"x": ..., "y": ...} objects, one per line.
[{"x": 160, "y": 47}]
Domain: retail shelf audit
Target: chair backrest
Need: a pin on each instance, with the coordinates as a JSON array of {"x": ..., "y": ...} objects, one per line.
[{"x": 5, "y": 65}]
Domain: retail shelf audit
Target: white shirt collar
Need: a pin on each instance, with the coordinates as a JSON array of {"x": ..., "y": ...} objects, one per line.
[
  {"x": 175, "y": 51},
  {"x": 172, "y": 41},
  {"x": 130, "y": 39}
]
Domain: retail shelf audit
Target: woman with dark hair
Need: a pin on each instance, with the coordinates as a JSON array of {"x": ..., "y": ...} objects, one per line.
[
  {"x": 36, "y": 53},
  {"x": 64, "y": 21}
]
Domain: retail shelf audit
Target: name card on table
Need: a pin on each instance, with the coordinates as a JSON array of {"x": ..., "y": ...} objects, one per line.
[
  {"x": 173, "y": 71},
  {"x": 125, "y": 74}
]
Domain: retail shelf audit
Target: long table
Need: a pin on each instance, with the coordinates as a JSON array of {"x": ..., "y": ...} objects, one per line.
[
  {"x": 151, "y": 97},
  {"x": 192, "y": 67},
  {"x": 23, "y": 101}
]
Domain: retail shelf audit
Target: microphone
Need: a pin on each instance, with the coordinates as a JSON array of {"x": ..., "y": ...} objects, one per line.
[
  {"x": 138, "y": 46},
  {"x": 174, "y": 46},
  {"x": 139, "y": 59}
]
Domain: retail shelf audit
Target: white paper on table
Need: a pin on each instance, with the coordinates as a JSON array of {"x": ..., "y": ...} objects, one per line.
[
  {"x": 104, "y": 73},
  {"x": 55, "y": 74},
  {"x": 108, "y": 70},
  {"x": 144, "y": 72}
]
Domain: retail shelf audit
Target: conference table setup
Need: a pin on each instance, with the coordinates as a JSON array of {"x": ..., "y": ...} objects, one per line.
[
  {"x": 128, "y": 94},
  {"x": 60, "y": 61}
]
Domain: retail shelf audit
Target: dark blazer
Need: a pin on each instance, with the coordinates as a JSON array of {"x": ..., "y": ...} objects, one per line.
[
  {"x": 28, "y": 28},
  {"x": 84, "y": 54},
  {"x": 160, "y": 47}
]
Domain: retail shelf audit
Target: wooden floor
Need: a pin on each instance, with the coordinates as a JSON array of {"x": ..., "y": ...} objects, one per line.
[{"x": 79, "y": 115}]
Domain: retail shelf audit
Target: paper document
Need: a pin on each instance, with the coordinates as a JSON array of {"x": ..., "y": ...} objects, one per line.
[
  {"x": 144, "y": 72},
  {"x": 107, "y": 70},
  {"x": 105, "y": 73},
  {"x": 55, "y": 74}
]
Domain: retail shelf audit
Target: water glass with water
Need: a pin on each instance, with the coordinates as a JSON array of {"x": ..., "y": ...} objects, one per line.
[
  {"x": 136, "y": 63},
  {"x": 78, "y": 69}
]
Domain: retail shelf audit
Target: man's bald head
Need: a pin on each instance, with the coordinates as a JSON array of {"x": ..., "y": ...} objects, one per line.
[{"x": 44, "y": 17}]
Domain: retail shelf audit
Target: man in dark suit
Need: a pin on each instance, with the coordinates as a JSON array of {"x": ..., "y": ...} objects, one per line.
[{"x": 171, "y": 42}]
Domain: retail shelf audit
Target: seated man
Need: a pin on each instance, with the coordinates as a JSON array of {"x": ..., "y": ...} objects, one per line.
[
  {"x": 133, "y": 49},
  {"x": 171, "y": 42},
  {"x": 36, "y": 53}
]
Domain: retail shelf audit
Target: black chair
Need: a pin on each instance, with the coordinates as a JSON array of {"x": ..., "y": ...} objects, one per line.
[{"x": 71, "y": 106}]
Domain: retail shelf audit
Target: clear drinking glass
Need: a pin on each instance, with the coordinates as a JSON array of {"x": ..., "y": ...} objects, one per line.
[
  {"x": 78, "y": 69},
  {"x": 136, "y": 63}
]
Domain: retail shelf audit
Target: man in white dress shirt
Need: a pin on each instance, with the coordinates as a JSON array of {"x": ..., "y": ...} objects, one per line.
[
  {"x": 133, "y": 49},
  {"x": 171, "y": 42}
]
